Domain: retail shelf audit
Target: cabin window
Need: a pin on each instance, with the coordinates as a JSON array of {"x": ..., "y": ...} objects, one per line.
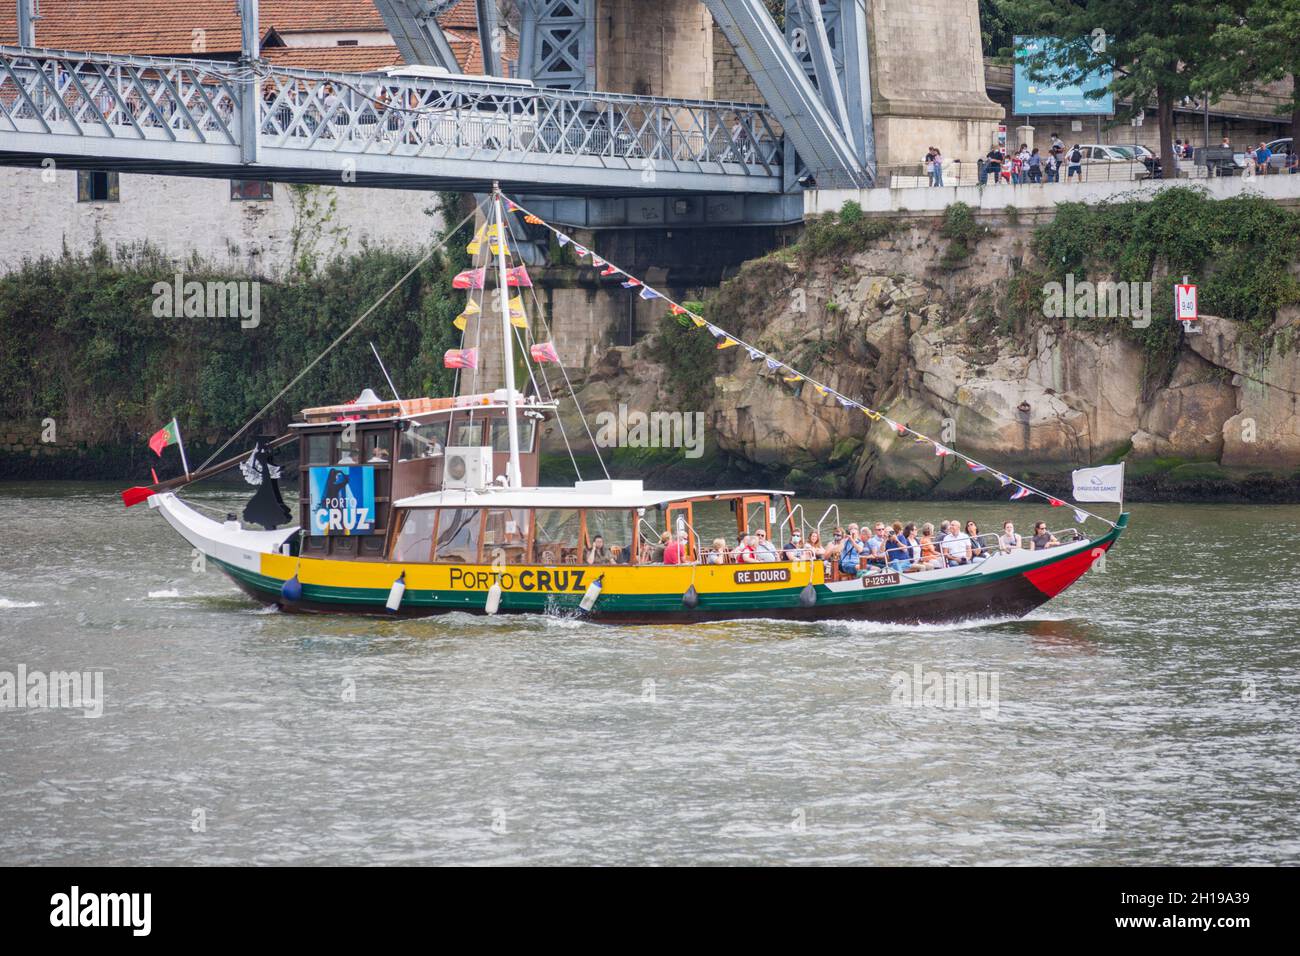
[
  {"x": 506, "y": 530},
  {"x": 501, "y": 435},
  {"x": 379, "y": 447},
  {"x": 349, "y": 453},
  {"x": 555, "y": 536},
  {"x": 318, "y": 449},
  {"x": 458, "y": 534},
  {"x": 468, "y": 435},
  {"x": 415, "y": 541},
  {"x": 423, "y": 441},
  {"x": 615, "y": 529}
]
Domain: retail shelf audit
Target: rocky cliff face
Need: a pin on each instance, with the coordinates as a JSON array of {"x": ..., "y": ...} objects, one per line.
[{"x": 911, "y": 328}]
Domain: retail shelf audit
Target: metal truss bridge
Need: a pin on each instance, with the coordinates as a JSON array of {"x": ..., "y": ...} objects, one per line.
[{"x": 549, "y": 136}]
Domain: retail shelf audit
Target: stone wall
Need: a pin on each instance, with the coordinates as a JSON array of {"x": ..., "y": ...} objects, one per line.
[
  {"x": 186, "y": 216},
  {"x": 660, "y": 49}
]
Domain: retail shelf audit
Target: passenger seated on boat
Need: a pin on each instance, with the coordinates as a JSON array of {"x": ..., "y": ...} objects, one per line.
[
  {"x": 380, "y": 456},
  {"x": 1008, "y": 540},
  {"x": 747, "y": 551},
  {"x": 955, "y": 544},
  {"x": 930, "y": 557},
  {"x": 796, "y": 550},
  {"x": 347, "y": 456},
  {"x": 875, "y": 547},
  {"x": 597, "y": 554},
  {"x": 675, "y": 550},
  {"x": 1042, "y": 537},
  {"x": 850, "y": 552},
  {"x": 653, "y": 553},
  {"x": 616, "y": 554},
  {"x": 766, "y": 550},
  {"x": 719, "y": 553},
  {"x": 548, "y": 557},
  {"x": 977, "y": 550},
  {"x": 898, "y": 550}
]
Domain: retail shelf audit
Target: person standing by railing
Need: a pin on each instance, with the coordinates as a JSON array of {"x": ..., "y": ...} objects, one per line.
[{"x": 936, "y": 162}]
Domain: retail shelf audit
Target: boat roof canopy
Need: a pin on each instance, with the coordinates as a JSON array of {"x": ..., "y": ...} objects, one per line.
[{"x": 584, "y": 494}]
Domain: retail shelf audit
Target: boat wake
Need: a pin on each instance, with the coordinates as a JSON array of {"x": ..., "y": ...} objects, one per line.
[{"x": 8, "y": 605}]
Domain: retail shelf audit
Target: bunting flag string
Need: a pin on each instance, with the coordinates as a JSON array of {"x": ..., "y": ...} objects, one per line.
[
  {"x": 771, "y": 364},
  {"x": 518, "y": 277}
]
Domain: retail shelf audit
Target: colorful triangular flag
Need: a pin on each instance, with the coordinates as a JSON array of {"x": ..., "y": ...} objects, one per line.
[
  {"x": 544, "y": 352},
  {"x": 519, "y": 277},
  {"x": 1021, "y": 492},
  {"x": 460, "y": 358},
  {"x": 631, "y": 283},
  {"x": 517, "y": 317},
  {"x": 649, "y": 293},
  {"x": 471, "y": 308},
  {"x": 469, "y": 279},
  {"x": 1080, "y": 516}
]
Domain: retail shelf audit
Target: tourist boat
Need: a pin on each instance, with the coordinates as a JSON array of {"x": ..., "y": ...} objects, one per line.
[{"x": 432, "y": 505}]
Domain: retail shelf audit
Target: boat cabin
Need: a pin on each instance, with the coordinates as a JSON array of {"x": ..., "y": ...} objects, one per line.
[
  {"x": 357, "y": 459},
  {"x": 593, "y": 522}
]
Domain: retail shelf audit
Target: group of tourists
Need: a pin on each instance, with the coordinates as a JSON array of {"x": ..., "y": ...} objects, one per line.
[{"x": 1026, "y": 165}]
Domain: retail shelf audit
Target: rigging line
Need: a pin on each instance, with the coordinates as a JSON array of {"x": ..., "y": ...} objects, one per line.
[
  {"x": 528, "y": 332},
  {"x": 823, "y": 386},
  {"x": 329, "y": 348},
  {"x": 573, "y": 395},
  {"x": 568, "y": 447}
]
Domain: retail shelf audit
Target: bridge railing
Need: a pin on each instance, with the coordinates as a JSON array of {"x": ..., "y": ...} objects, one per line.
[
  {"x": 363, "y": 113},
  {"x": 199, "y": 102}
]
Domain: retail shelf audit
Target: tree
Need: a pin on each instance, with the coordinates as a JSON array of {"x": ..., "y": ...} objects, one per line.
[
  {"x": 1158, "y": 49},
  {"x": 1259, "y": 44}
]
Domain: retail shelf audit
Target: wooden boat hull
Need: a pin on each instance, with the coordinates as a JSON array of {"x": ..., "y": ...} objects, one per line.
[{"x": 1001, "y": 587}]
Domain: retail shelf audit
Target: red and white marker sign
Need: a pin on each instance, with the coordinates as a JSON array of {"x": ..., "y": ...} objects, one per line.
[{"x": 1185, "y": 303}]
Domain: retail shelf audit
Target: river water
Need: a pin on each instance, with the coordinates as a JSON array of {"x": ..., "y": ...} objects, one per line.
[{"x": 1146, "y": 716}]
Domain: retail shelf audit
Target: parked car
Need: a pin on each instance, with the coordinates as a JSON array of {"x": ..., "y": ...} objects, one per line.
[{"x": 1097, "y": 153}]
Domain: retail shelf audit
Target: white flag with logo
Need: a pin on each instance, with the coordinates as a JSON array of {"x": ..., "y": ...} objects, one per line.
[{"x": 1099, "y": 484}]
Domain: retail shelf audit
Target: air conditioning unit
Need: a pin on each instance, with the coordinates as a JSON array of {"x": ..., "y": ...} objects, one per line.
[{"x": 468, "y": 467}]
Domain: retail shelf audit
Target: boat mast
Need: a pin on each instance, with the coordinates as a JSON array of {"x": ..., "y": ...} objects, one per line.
[{"x": 514, "y": 477}]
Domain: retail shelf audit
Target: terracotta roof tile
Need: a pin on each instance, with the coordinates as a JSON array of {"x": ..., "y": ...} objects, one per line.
[
  {"x": 346, "y": 59},
  {"x": 146, "y": 28}
]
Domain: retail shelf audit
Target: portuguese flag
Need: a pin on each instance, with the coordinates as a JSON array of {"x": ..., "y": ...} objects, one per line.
[{"x": 169, "y": 434}]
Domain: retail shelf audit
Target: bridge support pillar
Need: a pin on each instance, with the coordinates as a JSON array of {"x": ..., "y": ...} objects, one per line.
[{"x": 927, "y": 81}]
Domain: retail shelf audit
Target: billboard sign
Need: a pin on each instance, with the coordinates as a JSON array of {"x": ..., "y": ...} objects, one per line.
[{"x": 1052, "y": 95}]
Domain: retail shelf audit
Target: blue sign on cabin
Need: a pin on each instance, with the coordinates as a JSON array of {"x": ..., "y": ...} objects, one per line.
[
  {"x": 342, "y": 499},
  {"x": 1051, "y": 95}
]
